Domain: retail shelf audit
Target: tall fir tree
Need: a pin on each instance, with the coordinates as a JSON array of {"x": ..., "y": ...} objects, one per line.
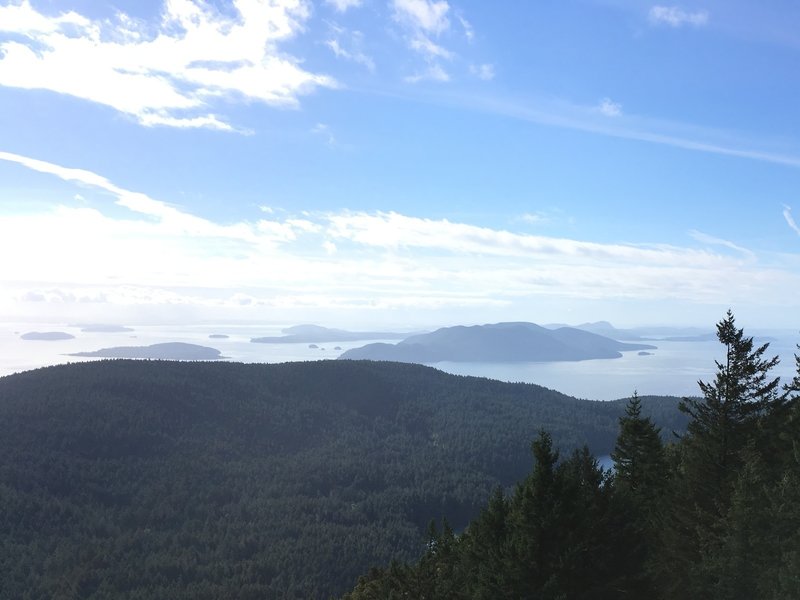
[
  {"x": 727, "y": 415},
  {"x": 639, "y": 461},
  {"x": 486, "y": 550},
  {"x": 640, "y": 479},
  {"x": 723, "y": 423}
]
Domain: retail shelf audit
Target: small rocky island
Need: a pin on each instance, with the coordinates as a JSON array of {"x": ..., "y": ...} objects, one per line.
[
  {"x": 218, "y": 336},
  {"x": 47, "y": 336},
  {"x": 164, "y": 351}
]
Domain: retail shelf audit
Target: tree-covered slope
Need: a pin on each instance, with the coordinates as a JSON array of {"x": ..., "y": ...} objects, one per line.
[
  {"x": 713, "y": 515},
  {"x": 142, "y": 479}
]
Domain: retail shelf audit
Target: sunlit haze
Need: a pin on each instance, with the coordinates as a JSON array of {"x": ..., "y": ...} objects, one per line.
[{"x": 400, "y": 163}]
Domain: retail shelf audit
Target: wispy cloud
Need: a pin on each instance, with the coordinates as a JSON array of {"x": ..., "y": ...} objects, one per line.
[
  {"x": 171, "y": 73},
  {"x": 469, "y": 31},
  {"x": 424, "y": 20},
  {"x": 675, "y": 16},
  {"x": 157, "y": 253},
  {"x": 590, "y": 119},
  {"x": 354, "y": 53},
  {"x": 427, "y": 16},
  {"x": 716, "y": 241},
  {"x": 534, "y": 218},
  {"x": 392, "y": 231},
  {"x": 432, "y": 73},
  {"x": 787, "y": 215},
  {"x": 609, "y": 108},
  {"x": 344, "y": 5},
  {"x": 484, "y": 71},
  {"x": 325, "y": 132},
  {"x": 426, "y": 47}
]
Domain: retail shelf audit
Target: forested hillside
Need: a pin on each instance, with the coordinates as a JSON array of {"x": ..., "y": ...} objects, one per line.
[
  {"x": 713, "y": 516},
  {"x": 147, "y": 479}
]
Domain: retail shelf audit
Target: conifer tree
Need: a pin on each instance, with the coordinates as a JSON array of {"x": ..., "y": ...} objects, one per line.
[
  {"x": 723, "y": 423},
  {"x": 639, "y": 461},
  {"x": 640, "y": 480},
  {"x": 486, "y": 549},
  {"x": 727, "y": 415}
]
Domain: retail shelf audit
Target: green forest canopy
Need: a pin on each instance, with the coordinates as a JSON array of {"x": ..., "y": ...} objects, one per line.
[{"x": 144, "y": 479}]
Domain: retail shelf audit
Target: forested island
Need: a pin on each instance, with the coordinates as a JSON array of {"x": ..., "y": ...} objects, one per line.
[
  {"x": 162, "y": 351},
  {"x": 47, "y": 336},
  {"x": 497, "y": 342}
]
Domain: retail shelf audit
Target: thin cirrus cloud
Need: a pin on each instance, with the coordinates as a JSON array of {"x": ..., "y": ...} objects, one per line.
[
  {"x": 609, "y": 108},
  {"x": 432, "y": 73},
  {"x": 595, "y": 120},
  {"x": 430, "y": 17},
  {"x": 343, "y": 259},
  {"x": 716, "y": 241},
  {"x": 674, "y": 16},
  {"x": 424, "y": 21},
  {"x": 354, "y": 53},
  {"x": 170, "y": 74},
  {"x": 787, "y": 215},
  {"x": 484, "y": 71},
  {"x": 344, "y": 5}
]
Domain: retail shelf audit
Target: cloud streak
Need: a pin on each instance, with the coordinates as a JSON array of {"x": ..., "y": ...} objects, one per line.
[
  {"x": 787, "y": 215},
  {"x": 609, "y": 108},
  {"x": 704, "y": 238},
  {"x": 595, "y": 120},
  {"x": 170, "y": 74},
  {"x": 422, "y": 21},
  {"x": 426, "y": 16},
  {"x": 159, "y": 253},
  {"x": 344, "y": 5},
  {"x": 355, "y": 55},
  {"x": 674, "y": 16}
]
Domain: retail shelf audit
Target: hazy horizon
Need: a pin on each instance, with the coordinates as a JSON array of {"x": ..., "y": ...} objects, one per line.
[{"x": 371, "y": 325}]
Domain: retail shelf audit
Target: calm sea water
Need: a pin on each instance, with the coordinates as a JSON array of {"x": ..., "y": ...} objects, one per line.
[{"x": 672, "y": 369}]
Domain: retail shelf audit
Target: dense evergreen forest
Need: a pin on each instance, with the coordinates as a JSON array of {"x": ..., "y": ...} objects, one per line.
[
  {"x": 712, "y": 516},
  {"x": 149, "y": 479}
]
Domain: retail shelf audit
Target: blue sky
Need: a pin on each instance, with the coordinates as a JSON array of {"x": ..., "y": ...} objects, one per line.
[{"x": 403, "y": 163}]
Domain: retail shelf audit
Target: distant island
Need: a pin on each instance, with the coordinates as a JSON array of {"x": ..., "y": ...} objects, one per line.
[
  {"x": 645, "y": 353},
  {"x": 704, "y": 337},
  {"x": 304, "y": 334},
  {"x": 48, "y": 336},
  {"x": 606, "y": 329},
  {"x": 102, "y": 328},
  {"x": 500, "y": 342},
  {"x": 164, "y": 351},
  {"x": 643, "y": 334},
  {"x": 218, "y": 336}
]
